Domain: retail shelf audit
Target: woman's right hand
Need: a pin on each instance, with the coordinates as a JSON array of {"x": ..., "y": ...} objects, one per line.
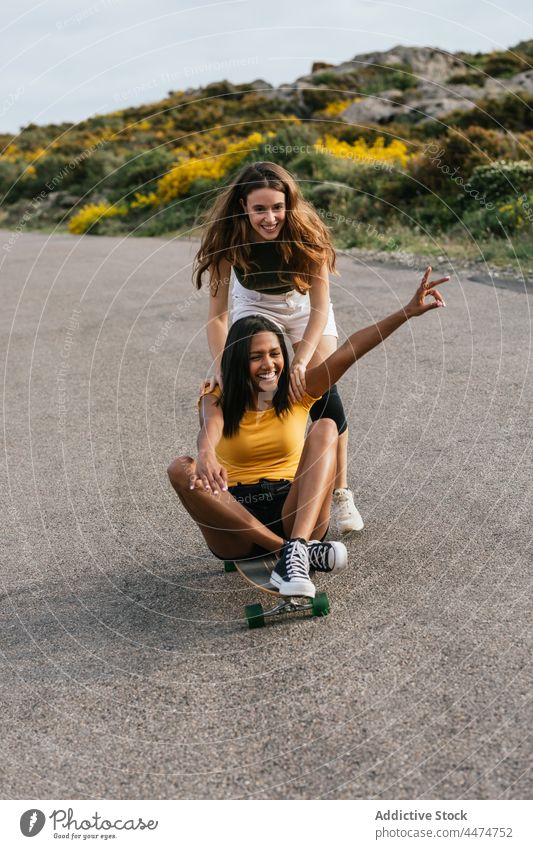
[
  {"x": 209, "y": 474},
  {"x": 297, "y": 382}
]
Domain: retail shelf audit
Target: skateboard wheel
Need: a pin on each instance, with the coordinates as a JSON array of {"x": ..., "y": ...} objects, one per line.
[
  {"x": 320, "y": 605},
  {"x": 229, "y": 566},
  {"x": 254, "y": 615}
]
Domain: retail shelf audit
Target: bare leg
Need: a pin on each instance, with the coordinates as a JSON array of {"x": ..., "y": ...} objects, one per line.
[
  {"x": 228, "y": 528},
  {"x": 306, "y": 510},
  {"x": 341, "y": 478},
  {"x": 326, "y": 346}
]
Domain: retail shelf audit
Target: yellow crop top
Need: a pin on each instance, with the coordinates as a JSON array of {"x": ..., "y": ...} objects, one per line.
[{"x": 266, "y": 445}]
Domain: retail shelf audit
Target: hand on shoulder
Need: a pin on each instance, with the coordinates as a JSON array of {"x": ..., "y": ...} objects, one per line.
[
  {"x": 210, "y": 384},
  {"x": 297, "y": 388}
]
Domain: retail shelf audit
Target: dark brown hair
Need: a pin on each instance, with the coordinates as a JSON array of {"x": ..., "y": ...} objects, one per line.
[{"x": 304, "y": 242}]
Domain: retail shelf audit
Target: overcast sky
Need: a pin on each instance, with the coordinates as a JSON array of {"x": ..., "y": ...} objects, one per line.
[{"x": 64, "y": 60}]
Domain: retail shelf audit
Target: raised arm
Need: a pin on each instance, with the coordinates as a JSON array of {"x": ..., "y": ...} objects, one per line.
[
  {"x": 319, "y": 379},
  {"x": 209, "y": 473}
]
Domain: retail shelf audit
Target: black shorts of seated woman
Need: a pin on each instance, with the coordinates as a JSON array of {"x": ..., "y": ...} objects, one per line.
[{"x": 259, "y": 484}]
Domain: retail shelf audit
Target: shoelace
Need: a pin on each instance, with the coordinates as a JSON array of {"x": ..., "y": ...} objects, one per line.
[
  {"x": 318, "y": 555},
  {"x": 297, "y": 559}
]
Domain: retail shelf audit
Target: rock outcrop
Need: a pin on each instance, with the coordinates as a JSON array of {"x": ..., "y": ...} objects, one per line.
[{"x": 434, "y": 84}]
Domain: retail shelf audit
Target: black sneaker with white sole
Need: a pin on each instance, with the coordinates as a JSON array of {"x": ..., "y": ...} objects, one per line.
[
  {"x": 291, "y": 574},
  {"x": 327, "y": 556}
]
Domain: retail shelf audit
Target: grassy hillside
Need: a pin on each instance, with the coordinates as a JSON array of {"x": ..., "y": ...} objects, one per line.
[{"x": 410, "y": 148}]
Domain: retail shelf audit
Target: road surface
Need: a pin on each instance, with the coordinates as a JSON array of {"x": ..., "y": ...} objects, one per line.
[{"x": 126, "y": 669}]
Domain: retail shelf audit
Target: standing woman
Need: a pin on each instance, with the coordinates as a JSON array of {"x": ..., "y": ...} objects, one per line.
[{"x": 268, "y": 243}]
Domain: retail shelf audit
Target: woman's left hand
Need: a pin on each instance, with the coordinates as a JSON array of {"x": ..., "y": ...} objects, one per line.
[
  {"x": 297, "y": 387},
  {"x": 418, "y": 304}
]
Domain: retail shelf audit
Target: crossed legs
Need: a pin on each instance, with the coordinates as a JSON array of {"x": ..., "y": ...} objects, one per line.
[{"x": 230, "y": 530}]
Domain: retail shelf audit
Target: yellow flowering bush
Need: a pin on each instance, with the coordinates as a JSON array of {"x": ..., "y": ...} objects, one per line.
[
  {"x": 178, "y": 181},
  {"x": 512, "y": 214},
  {"x": 91, "y": 213},
  {"x": 13, "y": 154},
  {"x": 338, "y": 106},
  {"x": 144, "y": 200},
  {"x": 395, "y": 153}
]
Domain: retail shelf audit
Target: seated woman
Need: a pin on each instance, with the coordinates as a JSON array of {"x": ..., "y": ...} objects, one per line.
[{"x": 259, "y": 484}]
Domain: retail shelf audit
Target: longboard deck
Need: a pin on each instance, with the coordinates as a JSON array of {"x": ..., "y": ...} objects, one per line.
[{"x": 257, "y": 572}]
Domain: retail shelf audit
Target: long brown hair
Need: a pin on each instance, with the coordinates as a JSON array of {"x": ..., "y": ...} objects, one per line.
[{"x": 304, "y": 242}]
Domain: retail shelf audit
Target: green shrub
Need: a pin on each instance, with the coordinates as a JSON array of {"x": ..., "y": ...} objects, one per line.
[
  {"x": 327, "y": 196},
  {"x": 306, "y": 166},
  {"x": 474, "y": 60},
  {"x": 316, "y": 99},
  {"x": 54, "y": 172},
  {"x": 505, "y": 65},
  {"x": 291, "y": 141},
  {"x": 354, "y": 218},
  {"x": 472, "y": 77},
  {"x": 139, "y": 173},
  {"x": 478, "y": 146},
  {"x": 433, "y": 213},
  {"x": 375, "y": 78},
  {"x": 508, "y": 218},
  {"x": 398, "y": 188},
  {"x": 92, "y": 172},
  {"x": 513, "y": 113},
  {"x": 352, "y": 133},
  {"x": 329, "y": 78},
  {"x": 111, "y": 227},
  {"x": 524, "y": 47},
  {"x": 447, "y": 163},
  {"x": 503, "y": 180},
  {"x": 220, "y": 88},
  {"x": 179, "y": 216},
  {"x": 517, "y": 214},
  {"x": 11, "y": 187}
]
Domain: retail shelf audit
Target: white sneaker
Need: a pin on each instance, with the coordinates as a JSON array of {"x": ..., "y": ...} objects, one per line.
[{"x": 344, "y": 512}]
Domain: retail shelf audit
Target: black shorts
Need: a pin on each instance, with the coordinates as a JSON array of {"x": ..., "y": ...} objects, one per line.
[{"x": 265, "y": 501}]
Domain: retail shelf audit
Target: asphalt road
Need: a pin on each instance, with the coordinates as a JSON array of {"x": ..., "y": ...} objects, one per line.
[{"x": 126, "y": 669}]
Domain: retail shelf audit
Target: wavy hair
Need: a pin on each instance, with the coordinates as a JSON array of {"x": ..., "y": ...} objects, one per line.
[
  {"x": 238, "y": 392},
  {"x": 304, "y": 242}
]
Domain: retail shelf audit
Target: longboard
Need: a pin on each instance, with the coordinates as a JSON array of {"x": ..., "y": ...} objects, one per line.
[{"x": 256, "y": 572}]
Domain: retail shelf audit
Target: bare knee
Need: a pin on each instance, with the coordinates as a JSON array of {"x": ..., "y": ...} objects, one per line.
[
  {"x": 325, "y": 431},
  {"x": 180, "y": 471}
]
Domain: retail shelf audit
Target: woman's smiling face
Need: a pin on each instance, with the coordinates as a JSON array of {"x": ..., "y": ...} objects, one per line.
[
  {"x": 266, "y": 361},
  {"x": 266, "y": 212}
]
